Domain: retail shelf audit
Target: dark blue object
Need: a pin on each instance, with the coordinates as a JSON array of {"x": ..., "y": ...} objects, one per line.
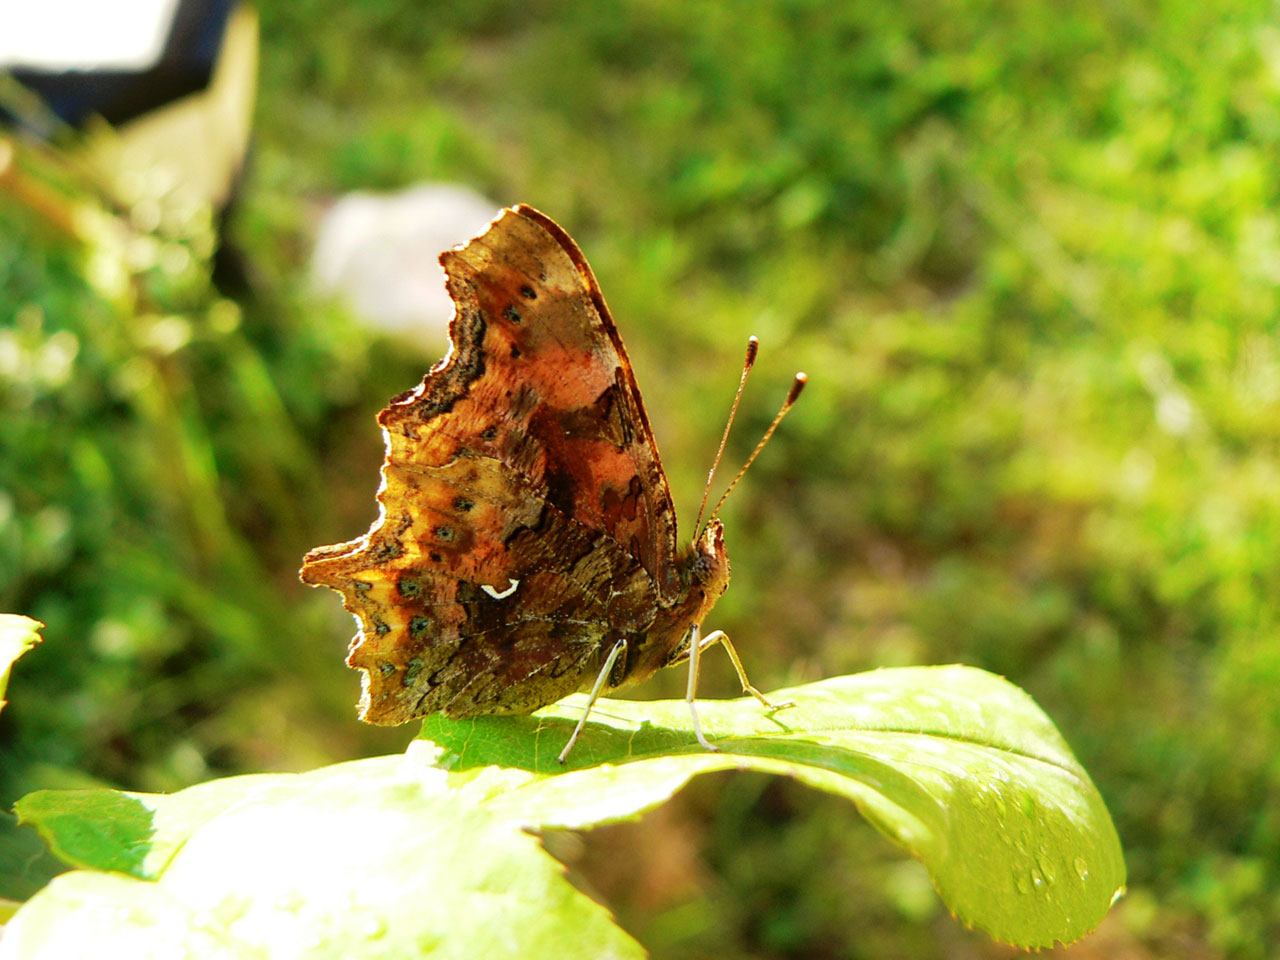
[{"x": 185, "y": 66}]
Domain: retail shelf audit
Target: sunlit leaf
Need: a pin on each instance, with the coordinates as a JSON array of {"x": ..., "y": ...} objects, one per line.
[
  {"x": 427, "y": 851},
  {"x": 375, "y": 858},
  {"x": 133, "y": 833},
  {"x": 17, "y": 636},
  {"x": 956, "y": 765}
]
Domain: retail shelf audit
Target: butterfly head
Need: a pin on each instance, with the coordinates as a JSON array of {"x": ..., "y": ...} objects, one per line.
[{"x": 709, "y": 569}]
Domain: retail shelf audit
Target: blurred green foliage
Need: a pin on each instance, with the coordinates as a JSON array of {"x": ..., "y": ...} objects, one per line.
[{"x": 1028, "y": 254}]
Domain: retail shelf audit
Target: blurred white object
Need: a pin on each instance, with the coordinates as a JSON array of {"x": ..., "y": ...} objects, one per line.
[
  {"x": 84, "y": 34},
  {"x": 381, "y": 253}
]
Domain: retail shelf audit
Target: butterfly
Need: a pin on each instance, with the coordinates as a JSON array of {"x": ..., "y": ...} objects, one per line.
[{"x": 526, "y": 544}]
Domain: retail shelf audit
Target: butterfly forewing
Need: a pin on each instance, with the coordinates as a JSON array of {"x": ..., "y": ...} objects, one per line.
[{"x": 526, "y": 522}]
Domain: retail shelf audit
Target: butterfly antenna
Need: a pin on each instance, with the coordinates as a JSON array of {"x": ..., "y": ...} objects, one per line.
[
  {"x": 792, "y": 395},
  {"x": 753, "y": 347}
]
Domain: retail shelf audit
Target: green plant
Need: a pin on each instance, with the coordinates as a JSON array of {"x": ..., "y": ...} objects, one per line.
[
  {"x": 426, "y": 854},
  {"x": 1027, "y": 254}
]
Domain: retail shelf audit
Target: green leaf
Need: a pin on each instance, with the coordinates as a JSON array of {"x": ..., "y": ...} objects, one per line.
[
  {"x": 17, "y": 636},
  {"x": 84, "y": 914},
  {"x": 376, "y": 858},
  {"x": 956, "y": 765},
  {"x": 427, "y": 854},
  {"x": 26, "y": 864},
  {"x": 133, "y": 833}
]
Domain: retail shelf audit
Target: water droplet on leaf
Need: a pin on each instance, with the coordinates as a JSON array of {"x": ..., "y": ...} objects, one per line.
[
  {"x": 1001, "y": 810},
  {"x": 1047, "y": 868}
]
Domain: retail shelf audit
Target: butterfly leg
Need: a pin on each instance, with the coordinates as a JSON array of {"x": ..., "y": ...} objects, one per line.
[
  {"x": 695, "y": 654},
  {"x": 607, "y": 669},
  {"x": 722, "y": 638}
]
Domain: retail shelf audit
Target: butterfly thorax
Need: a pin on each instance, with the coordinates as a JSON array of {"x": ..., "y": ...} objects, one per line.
[{"x": 703, "y": 567}]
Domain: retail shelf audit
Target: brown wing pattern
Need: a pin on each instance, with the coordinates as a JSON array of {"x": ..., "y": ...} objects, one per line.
[
  {"x": 525, "y": 520},
  {"x": 555, "y": 386}
]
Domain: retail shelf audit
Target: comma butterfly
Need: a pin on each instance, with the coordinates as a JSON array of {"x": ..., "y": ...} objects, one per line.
[{"x": 526, "y": 547}]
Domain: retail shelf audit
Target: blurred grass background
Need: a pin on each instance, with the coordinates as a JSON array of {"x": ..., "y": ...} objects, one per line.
[{"x": 1028, "y": 254}]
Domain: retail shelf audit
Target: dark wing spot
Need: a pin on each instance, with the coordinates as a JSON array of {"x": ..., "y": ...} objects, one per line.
[
  {"x": 463, "y": 504},
  {"x": 386, "y": 669},
  {"x": 512, "y": 314},
  {"x": 528, "y": 293},
  {"x": 488, "y": 433},
  {"x": 435, "y": 557},
  {"x": 515, "y": 352},
  {"x": 444, "y": 533},
  {"x": 418, "y": 626},
  {"x": 408, "y": 587},
  {"x": 412, "y": 670},
  {"x": 380, "y": 628}
]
